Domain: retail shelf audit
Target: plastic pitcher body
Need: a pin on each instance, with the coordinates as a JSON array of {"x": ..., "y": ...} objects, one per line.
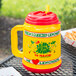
[{"x": 41, "y": 44}]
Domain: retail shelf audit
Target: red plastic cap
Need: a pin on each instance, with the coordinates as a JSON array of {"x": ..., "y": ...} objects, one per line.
[{"x": 41, "y": 18}]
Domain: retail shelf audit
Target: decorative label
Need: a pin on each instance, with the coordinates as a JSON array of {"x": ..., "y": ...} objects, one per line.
[
  {"x": 42, "y": 49},
  {"x": 33, "y": 34},
  {"x": 37, "y": 62}
]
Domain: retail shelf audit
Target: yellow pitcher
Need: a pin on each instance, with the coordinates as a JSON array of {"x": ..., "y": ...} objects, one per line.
[{"x": 41, "y": 42}]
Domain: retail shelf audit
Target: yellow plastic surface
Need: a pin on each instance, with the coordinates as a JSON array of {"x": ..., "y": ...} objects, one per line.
[
  {"x": 28, "y": 47},
  {"x": 14, "y": 40}
]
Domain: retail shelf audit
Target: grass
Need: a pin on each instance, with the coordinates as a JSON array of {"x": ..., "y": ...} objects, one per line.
[{"x": 65, "y": 9}]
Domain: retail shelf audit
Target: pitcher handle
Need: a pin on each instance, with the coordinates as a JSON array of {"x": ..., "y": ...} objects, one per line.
[{"x": 14, "y": 40}]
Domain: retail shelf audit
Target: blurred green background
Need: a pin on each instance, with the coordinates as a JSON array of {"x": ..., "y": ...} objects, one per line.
[{"x": 65, "y": 9}]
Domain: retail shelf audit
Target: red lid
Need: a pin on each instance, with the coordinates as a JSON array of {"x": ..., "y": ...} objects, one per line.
[{"x": 41, "y": 18}]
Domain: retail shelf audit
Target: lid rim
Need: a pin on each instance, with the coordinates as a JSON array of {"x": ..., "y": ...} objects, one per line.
[{"x": 38, "y": 18}]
